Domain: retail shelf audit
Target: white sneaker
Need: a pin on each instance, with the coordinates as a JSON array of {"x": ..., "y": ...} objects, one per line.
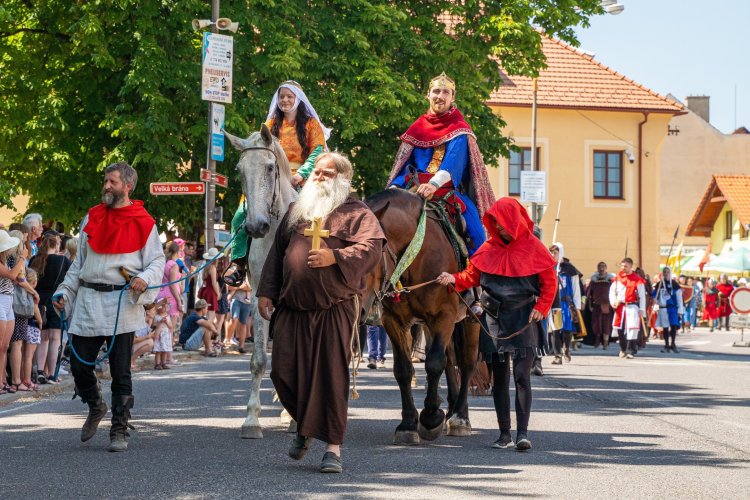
[{"x": 63, "y": 371}]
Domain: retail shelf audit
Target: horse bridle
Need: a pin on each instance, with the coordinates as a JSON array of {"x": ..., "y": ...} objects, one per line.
[{"x": 273, "y": 212}]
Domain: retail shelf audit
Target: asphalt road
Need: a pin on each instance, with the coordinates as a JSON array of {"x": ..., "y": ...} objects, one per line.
[{"x": 659, "y": 426}]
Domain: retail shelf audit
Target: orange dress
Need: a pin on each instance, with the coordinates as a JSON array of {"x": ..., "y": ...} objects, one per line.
[{"x": 292, "y": 147}]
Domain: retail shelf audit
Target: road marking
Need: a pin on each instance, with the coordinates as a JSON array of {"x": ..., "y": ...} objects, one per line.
[{"x": 696, "y": 342}]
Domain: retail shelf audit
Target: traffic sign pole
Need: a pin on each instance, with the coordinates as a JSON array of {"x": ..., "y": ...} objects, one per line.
[{"x": 210, "y": 163}]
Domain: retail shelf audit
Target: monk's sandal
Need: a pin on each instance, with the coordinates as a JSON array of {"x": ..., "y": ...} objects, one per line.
[
  {"x": 331, "y": 463},
  {"x": 300, "y": 447}
]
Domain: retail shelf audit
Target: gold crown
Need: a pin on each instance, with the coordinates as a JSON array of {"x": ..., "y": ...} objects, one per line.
[{"x": 443, "y": 81}]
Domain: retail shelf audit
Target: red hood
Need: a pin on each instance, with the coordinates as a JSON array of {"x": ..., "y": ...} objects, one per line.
[{"x": 523, "y": 255}]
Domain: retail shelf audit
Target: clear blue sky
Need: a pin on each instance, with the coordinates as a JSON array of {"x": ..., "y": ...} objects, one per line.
[{"x": 681, "y": 47}]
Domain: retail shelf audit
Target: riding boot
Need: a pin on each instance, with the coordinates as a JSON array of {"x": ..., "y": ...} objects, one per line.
[
  {"x": 118, "y": 434},
  {"x": 97, "y": 411}
]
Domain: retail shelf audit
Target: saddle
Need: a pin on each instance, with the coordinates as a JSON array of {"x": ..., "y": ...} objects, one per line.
[{"x": 447, "y": 209}]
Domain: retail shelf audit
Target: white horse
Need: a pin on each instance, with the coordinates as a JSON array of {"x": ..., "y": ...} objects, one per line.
[{"x": 267, "y": 186}]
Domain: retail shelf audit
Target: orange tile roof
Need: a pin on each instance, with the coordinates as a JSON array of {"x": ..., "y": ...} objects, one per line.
[
  {"x": 732, "y": 189},
  {"x": 575, "y": 80}
]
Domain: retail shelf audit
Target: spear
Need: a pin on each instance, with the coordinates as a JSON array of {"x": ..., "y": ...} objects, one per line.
[
  {"x": 626, "y": 246},
  {"x": 557, "y": 221}
]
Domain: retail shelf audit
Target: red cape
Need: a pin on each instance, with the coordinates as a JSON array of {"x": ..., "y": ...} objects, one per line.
[
  {"x": 524, "y": 255},
  {"x": 118, "y": 230},
  {"x": 431, "y": 130}
]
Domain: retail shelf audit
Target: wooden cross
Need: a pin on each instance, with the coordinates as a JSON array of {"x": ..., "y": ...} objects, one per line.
[{"x": 317, "y": 233}]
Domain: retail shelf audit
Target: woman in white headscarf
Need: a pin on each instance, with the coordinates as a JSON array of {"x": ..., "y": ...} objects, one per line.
[{"x": 294, "y": 121}]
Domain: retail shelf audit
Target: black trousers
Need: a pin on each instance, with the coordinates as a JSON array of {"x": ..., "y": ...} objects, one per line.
[
  {"x": 560, "y": 339},
  {"x": 627, "y": 346},
  {"x": 670, "y": 333},
  {"x": 119, "y": 365},
  {"x": 501, "y": 390}
]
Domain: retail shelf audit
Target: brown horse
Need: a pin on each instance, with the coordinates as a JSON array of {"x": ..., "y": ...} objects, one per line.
[{"x": 437, "y": 307}]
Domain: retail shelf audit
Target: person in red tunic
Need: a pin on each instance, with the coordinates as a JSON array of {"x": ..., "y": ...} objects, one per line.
[
  {"x": 627, "y": 295},
  {"x": 519, "y": 282},
  {"x": 711, "y": 304},
  {"x": 725, "y": 289}
]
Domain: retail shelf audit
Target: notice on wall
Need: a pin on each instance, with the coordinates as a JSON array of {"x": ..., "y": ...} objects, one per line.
[
  {"x": 533, "y": 186},
  {"x": 216, "y": 83}
]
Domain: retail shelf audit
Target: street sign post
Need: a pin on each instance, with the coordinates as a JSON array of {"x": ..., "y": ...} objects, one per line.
[
  {"x": 739, "y": 301},
  {"x": 533, "y": 186},
  {"x": 172, "y": 188},
  {"x": 216, "y": 84}
]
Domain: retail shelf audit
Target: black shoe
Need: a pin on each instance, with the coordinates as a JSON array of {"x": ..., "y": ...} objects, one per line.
[
  {"x": 372, "y": 365},
  {"x": 300, "y": 447},
  {"x": 522, "y": 443},
  {"x": 675, "y": 350},
  {"x": 236, "y": 276},
  {"x": 536, "y": 368},
  {"x": 504, "y": 441},
  {"x": 665, "y": 349},
  {"x": 331, "y": 463}
]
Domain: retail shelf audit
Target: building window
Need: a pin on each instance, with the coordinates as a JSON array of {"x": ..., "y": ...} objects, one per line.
[
  {"x": 728, "y": 223},
  {"x": 743, "y": 231},
  {"x": 608, "y": 174},
  {"x": 519, "y": 160}
]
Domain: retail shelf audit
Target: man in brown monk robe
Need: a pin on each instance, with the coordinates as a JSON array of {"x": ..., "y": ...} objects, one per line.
[{"x": 314, "y": 295}]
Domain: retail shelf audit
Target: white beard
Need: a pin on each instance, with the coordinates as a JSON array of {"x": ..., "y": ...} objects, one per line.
[{"x": 319, "y": 199}]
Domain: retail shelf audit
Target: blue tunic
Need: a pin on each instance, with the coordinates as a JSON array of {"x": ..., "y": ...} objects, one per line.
[
  {"x": 456, "y": 163},
  {"x": 566, "y": 297}
]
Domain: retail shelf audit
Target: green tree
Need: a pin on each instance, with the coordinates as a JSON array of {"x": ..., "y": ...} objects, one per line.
[{"x": 85, "y": 84}]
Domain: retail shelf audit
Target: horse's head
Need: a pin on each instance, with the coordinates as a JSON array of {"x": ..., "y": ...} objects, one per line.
[{"x": 266, "y": 179}]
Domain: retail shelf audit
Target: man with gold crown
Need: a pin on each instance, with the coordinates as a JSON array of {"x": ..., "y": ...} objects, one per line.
[{"x": 441, "y": 150}]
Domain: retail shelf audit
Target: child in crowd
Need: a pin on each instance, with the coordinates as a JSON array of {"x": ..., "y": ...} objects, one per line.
[
  {"x": 144, "y": 338},
  {"x": 162, "y": 327},
  {"x": 33, "y": 337}
]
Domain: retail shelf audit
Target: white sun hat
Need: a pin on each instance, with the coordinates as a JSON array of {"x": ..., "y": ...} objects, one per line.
[{"x": 7, "y": 241}]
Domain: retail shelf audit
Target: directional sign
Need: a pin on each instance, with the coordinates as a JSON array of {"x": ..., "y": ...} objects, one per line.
[
  {"x": 221, "y": 180},
  {"x": 160, "y": 188},
  {"x": 217, "y": 132},
  {"x": 216, "y": 84},
  {"x": 205, "y": 175}
]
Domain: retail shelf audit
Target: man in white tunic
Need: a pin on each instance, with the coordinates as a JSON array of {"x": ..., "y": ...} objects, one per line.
[{"x": 116, "y": 235}]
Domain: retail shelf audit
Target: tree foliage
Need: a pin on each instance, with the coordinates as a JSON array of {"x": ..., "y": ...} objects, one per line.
[{"x": 87, "y": 83}]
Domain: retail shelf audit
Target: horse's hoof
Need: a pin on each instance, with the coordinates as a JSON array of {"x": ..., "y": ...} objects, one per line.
[
  {"x": 458, "y": 427},
  {"x": 406, "y": 438},
  {"x": 251, "y": 432},
  {"x": 292, "y": 429},
  {"x": 429, "y": 434}
]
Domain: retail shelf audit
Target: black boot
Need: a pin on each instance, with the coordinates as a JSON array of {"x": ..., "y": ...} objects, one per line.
[
  {"x": 97, "y": 411},
  {"x": 118, "y": 434}
]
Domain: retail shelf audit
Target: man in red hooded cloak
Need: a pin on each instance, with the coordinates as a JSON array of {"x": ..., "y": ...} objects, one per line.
[{"x": 519, "y": 283}]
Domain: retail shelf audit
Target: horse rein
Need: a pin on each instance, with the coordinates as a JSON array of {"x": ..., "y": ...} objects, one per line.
[{"x": 276, "y": 181}]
